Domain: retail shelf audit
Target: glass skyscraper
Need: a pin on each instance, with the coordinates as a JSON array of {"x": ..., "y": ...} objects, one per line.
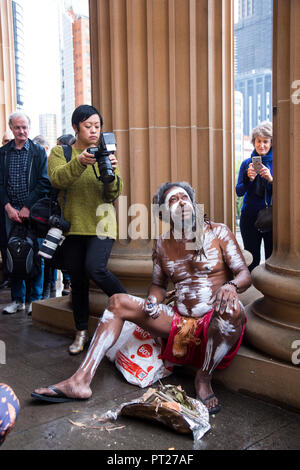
[
  {"x": 253, "y": 60},
  {"x": 18, "y": 27}
]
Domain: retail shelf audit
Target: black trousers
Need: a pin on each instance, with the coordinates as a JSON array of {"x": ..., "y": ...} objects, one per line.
[
  {"x": 85, "y": 258},
  {"x": 252, "y": 239}
]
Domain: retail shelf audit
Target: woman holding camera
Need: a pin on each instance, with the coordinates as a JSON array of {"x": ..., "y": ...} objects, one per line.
[
  {"x": 255, "y": 184},
  {"x": 92, "y": 232}
]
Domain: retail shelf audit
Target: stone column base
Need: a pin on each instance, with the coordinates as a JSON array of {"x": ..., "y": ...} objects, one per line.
[
  {"x": 273, "y": 338},
  {"x": 273, "y": 320}
]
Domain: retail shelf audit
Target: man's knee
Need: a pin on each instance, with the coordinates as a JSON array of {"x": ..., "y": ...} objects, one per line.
[
  {"x": 117, "y": 303},
  {"x": 230, "y": 321},
  {"x": 238, "y": 314}
]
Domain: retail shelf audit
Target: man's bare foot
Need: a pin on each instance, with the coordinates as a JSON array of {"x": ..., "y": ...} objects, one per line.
[
  {"x": 69, "y": 388},
  {"x": 205, "y": 393}
]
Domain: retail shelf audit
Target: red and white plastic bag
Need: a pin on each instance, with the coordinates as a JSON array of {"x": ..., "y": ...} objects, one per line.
[{"x": 137, "y": 355}]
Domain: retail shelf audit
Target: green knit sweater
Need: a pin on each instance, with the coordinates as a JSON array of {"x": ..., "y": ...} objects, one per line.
[{"x": 85, "y": 208}]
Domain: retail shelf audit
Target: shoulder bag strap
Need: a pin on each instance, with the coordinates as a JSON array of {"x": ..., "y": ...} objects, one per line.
[{"x": 67, "y": 149}]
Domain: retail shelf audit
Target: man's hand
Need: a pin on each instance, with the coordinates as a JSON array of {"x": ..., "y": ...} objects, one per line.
[
  {"x": 24, "y": 213},
  {"x": 225, "y": 300},
  {"x": 151, "y": 307},
  {"x": 13, "y": 214}
]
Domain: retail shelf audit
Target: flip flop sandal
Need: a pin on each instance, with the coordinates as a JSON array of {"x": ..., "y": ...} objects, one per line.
[
  {"x": 60, "y": 397},
  {"x": 215, "y": 409}
]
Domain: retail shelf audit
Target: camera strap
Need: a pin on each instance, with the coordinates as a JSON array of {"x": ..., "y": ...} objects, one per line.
[
  {"x": 67, "y": 149},
  {"x": 104, "y": 190}
]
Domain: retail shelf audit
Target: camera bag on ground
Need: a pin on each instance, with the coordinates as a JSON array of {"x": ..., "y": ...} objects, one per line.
[
  {"x": 48, "y": 206},
  {"x": 22, "y": 260}
]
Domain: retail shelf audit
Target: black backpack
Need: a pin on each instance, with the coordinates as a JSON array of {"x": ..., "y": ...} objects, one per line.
[
  {"x": 22, "y": 259},
  {"x": 43, "y": 209}
]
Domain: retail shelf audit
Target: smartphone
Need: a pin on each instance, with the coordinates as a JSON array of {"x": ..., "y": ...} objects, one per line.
[{"x": 256, "y": 164}]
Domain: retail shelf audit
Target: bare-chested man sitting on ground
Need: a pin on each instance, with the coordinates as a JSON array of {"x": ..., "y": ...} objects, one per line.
[{"x": 206, "y": 326}]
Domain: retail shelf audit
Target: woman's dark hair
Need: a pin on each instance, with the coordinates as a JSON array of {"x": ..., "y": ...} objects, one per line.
[{"x": 82, "y": 113}]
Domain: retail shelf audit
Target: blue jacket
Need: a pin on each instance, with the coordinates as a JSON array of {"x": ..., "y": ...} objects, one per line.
[
  {"x": 39, "y": 184},
  {"x": 254, "y": 192}
]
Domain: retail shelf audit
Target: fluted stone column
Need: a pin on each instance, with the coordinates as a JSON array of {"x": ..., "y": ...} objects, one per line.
[
  {"x": 7, "y": 65},
  {"x": 162, "y": 75},
  {"x": 274, "y": 320}
]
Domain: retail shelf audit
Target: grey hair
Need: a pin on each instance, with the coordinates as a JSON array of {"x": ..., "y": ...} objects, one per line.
[
  {"x": 18, "y": 114},
  {"x": 264, "y": 129},
  {"x": 39, "y": 139}
]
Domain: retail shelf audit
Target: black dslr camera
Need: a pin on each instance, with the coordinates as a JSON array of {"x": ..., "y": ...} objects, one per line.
[
  {"x": 54, "y": 237},
  {"x": 106, "y": 146},
  {"x": 59, "y": 222}
]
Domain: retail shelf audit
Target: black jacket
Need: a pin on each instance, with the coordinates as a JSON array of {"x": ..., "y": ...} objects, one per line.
[{"x": 39, "y": 184}]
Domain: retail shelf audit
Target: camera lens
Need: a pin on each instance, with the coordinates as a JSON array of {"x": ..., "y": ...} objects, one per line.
[
  {"x": 50, "y": 243},
  {"x": 106, "y": 170}
]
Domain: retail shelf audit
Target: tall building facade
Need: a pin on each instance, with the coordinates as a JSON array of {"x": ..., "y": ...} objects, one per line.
[
  {"x": 82, "y": 63},
  {"x": 18, "y": 28},
  {"x": 67, "y": 72},
  {"x": 75, "y": 65},
  {"x": 239, "y": 126},
  {"x": 48, "y": 128},
  {"x": 7, "y": 65},
  {"x": 253, "y": 60}
]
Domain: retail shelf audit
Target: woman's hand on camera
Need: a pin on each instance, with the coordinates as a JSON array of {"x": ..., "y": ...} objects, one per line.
[
  {"x": 86, "y": 158},
  {"x": 113, "y": 160},
  {"x": 266, "y": 174},
  {"x": 251, "y": 172}
]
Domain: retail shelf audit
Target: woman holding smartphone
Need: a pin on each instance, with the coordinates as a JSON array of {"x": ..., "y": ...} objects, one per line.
[{"x": 255, "y": 182}]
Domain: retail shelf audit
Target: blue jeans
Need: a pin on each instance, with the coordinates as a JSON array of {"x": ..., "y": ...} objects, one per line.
[{"x": 18, "y": 286}]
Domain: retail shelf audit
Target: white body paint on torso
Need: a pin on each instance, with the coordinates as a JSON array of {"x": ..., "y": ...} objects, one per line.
[{"x": 191, "y": 275}]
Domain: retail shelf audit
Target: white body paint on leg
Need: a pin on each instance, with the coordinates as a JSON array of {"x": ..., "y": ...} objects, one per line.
[
  {"x": 208, "y": 354},
  {"x": 167, "y": 310},
  {"x": 107, "y": 316},
  {"x": 97, "y": 352},
  {"x": 225, "y": 327},
  {"x": 138, "y": 300},
  {"x": 220, "y": 352}
]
